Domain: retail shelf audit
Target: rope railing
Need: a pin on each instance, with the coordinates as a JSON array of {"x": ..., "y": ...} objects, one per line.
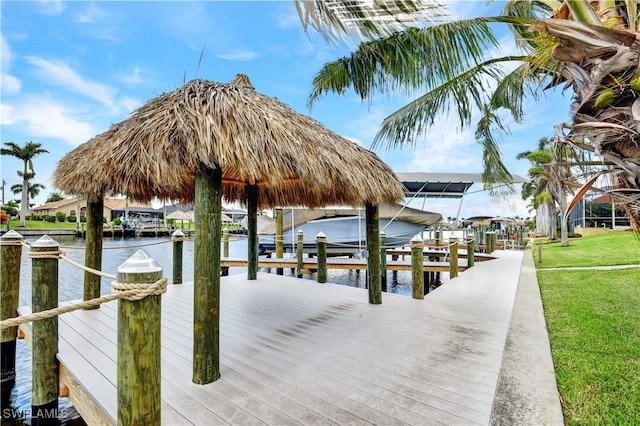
[{"x": 125, "y": 291}]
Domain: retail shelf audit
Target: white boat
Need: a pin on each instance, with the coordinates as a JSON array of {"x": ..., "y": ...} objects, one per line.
[{"x": 345, "y": 228}]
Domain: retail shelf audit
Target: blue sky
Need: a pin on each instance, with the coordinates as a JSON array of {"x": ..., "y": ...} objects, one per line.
[{"x": 71, "y": 69}]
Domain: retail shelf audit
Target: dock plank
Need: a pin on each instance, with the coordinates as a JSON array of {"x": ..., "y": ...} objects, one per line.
[{"x": 298, "y": 352}]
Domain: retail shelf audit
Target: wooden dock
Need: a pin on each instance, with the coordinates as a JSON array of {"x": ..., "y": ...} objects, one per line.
[
  {"x": 298, "y": 352},
  {"x": 338, "y": 263}
]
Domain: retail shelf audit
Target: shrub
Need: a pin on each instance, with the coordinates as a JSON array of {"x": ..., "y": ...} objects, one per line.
[
  {"x": 83, "y": 219},
  {"x": 60, "y": 217},
  {"x": 50, "y": 218},
  {"x": 71, "y": 219},
  {"x": 117, "y": 221}
]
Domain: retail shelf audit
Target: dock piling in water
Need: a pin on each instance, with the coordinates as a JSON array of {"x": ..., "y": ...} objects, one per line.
[
  {"x": 321, "y": 246},
  {"x": 177, "y": 237},
  {"x": 93, "y": 251},
  {"x": 300, "y": 253},
  {"x": 453, "y": 257},
  {"x": 10, "y": 258},
  {"x": 470, "y": 251},
  {"x": 417, "y": 260},
  {"x": 44, "y": 365},
  {"x": 383, "y": 260},
  {"x": 373, "y": 248},
  {"x": 279, "y": 238}
]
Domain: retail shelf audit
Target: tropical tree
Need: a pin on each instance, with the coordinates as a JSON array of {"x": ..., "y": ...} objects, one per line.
[
  {"x": 33, "y": 192},
  {"x": 591, "y": 47},
  {"x": 26, "y": 153},
  {"x": 54, "y": 196}
]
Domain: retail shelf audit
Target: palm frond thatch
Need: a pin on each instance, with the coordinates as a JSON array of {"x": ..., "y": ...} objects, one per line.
[{"x": 254, "y": 139}]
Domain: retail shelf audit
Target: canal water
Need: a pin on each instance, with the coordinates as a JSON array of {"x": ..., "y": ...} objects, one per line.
[{"x": 116, "y": 251}]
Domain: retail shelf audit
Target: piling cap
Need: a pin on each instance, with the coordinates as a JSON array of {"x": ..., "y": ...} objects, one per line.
[
  {"x": 44, "y": 241},
  {"x": 12, "y": 235},
  {"x": 139, "y": 263},
  {"x": 177, "y": 234},
  {"x": 321, "y": 235}
]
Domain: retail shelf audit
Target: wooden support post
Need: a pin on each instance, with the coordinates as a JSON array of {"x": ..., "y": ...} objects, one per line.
[
  {"x": 10, "y": 260},
  {"x": 373, "y": 259},
  {"x": 139, "y": 399},
  {"x": 417, "y": 261},
  {"x": 321, "y": 247},
  {"x": 383, "y": 260},
  {"x": 470, "y": 252},
  {"x": 44, "y": 365},
  {"x": 453, "y": 257},
  {"x": 539, "y": 253},
  {"x": 252, "y": 231},
  {"x": 225, "y": 242},
  {"x": 206, "y": 271},
  {"x": 438, "y": 237},
  {"x": 93, "y": 250},
  {"x": 487, "y": 242},
  {"x": 300, "y": 253},
  {"x": 279, "y": 238},
  {"x": 177, "y": 237}
]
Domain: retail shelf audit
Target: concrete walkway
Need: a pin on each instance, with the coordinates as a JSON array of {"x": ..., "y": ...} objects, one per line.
[{"x": 527, "y": 392}]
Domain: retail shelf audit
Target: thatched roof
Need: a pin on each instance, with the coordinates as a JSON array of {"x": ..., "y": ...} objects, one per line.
[{"x": 253, "y": 138}]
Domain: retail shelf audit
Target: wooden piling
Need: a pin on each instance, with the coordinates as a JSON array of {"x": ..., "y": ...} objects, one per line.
[
  {"x": 252, "y": 231},
  {"x": 300, "y": 253},
  {"x": 44, "y": 346},
  {"x": 321, "y": 247},
  {"x": 383, "y": 260},
  {"x": 470, "y": 251},
  {"x": 225, "y": 242},
  {"x": 10, "y": 260},
  {"x": 438, "y": 237},
  {"x": 417, "y": 260},
  {"x": 93, "y": 250},
  {"x": 453, "y": 257},
  {"x": 279, "y": 238},
  {"x": 206, "y": 317},
  {"x": 139, "y": 398},
  {"x": 373, "y": 259},
  {"x": 177, "y": 237}
]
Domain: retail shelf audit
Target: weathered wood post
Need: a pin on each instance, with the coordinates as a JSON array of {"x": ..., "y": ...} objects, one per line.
[
  {"x": 438, "y": 237},
  {"x": 300, "y": 253},
  {"x": 279, "y": 238},
  {"x": 93, "y": 244},
  {"x": 494, "y": 241},
  {"x": 417, "y": 261},
  {"x": 206, "y": 274},
  {"x": 321, "y": 246},
  {"x": 225, "y": 242},
  {"x": 539, "y": 252},
  {"x": 139, "y": 399},
  {"x": 453, "y": 257},
  {"x": 488, "y": 242},
  {"x": 373, "y": 259},
  {"x": 383, "y": 260},
  {"x": 471, "y": 256},
  {"x": 10, "y": 260},
  {"x": 252, "y": 231},
  {"x": 44, "y": 365},
  {"x": 177, "y": 237}
]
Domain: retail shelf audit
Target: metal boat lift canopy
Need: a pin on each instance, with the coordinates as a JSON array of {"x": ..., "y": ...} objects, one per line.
[{"x": 441, "y": 185}]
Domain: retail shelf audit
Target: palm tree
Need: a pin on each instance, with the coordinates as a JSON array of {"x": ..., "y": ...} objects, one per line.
[
  {"x": 54, "y": 196},
  {"x": 588, "y": 46},
  {"x": 33, "y": 192},
  {"x": 26, "y": 153}
]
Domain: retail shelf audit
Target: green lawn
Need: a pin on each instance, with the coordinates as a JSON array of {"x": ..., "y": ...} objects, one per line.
[
  {"x": 614, "y": 248},
  {"x": 593, "y": 317},
  {"x": 39, "y": 224}
]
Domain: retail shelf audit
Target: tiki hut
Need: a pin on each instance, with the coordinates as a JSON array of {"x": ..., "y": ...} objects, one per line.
[{"x": 207, "y": 141}]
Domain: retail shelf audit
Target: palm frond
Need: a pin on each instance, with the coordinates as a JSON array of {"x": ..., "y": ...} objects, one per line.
[
  {"x": 360, "y": 19},
  {"x": 414, "y": 59},
  {"x": 497, "y": 179},
  {"x": 464, "y": 95}
]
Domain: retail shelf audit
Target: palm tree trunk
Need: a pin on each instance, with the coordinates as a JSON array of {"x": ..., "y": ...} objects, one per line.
[
  {"x": 564, "y": 231},
  {"x": 24, "y": 204},
  {"x": 551, "y": 209}
]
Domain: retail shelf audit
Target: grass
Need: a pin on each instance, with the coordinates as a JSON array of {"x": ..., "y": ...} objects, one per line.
[
  {"x": 614, "y": 248},
  {"x": 40, "y": 224},
  {"x": 593, "y": 317}
]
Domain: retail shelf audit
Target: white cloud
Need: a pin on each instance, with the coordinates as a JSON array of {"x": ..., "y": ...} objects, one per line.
[
  {"x": 51, "y": 7},
  {"x": 59, "y": 73},
  {"x": 238, "y": 55},
  {"x": 8, "y": 83},
  {"x": 133, "y": 78},
  {"x": 44, "y": 118},
  {"x": 130, "y": 104}
]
